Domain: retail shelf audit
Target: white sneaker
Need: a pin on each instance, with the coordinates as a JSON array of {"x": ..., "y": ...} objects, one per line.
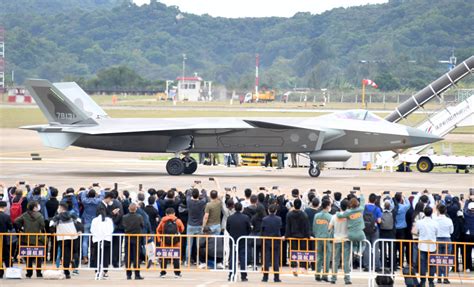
[
  {"x": 162, "y": 275},
  {"x": 220, "y": 266},
  {"x": 177, "y": 276},
  {"x": 202, "y": 266}
]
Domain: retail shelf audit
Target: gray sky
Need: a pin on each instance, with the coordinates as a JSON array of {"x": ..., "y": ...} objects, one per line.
[{"x": 259, "y": 8}]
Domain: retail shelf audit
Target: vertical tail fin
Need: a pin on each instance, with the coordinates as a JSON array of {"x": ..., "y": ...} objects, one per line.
[{"x": 57, "y": 107}]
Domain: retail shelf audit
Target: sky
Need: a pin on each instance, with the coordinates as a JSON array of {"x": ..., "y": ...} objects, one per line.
[{"x": 259, "y": 8}]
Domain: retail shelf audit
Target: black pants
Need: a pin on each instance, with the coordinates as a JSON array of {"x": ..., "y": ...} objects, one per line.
[
  {"x": 29, "y": 263},
  {"x": 132, "y": 254},
  {"x": 164, "y": 264},
  {"x": 268, "y": 160},
  {"x": 241, "y": 256},
  {"x": 96, "y": 254},
  {"x": 469, "y": 250},
  {"x": 117, "y": 249},
  {"x": 272, "y": 256},
  {"x": 403, "y": 251},
  {"x": 66, "y": 249},
  {"x": 388, "y": 250},
  {"x": 6, "y": 258}
]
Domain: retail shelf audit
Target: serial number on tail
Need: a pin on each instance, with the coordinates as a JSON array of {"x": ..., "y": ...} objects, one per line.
[{"x": 65, "y": 116}]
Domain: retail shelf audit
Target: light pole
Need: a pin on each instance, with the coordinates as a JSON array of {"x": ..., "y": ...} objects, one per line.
[{"x": 184, "y": 74}]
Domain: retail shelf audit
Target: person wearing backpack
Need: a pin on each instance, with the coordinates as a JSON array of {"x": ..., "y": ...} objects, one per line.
[
  {"x": 170, "y": 225},
  {"x": 372, "y": 218},
  {"x": 387, "y": 231},
  {"x": 19, "y": 205}
]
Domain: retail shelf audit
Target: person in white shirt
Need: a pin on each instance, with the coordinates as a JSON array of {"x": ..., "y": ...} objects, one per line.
[
  {"x": 102, "y": 228},
  {"x": 341, "y": 242},
  {"x": 445, "y": 229},
  {"x": 427, "y": 231}
]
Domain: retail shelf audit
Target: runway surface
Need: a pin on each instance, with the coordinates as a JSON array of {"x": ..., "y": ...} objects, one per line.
[{"x": 75, "y": 167}]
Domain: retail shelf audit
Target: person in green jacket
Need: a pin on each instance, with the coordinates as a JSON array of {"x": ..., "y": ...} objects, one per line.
[
  {"x": 321, "y": 230},
  {"x": 355, "y": 222}
]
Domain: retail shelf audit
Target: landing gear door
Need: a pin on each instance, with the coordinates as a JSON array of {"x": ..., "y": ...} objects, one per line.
[{"x": 179, "y": 143}]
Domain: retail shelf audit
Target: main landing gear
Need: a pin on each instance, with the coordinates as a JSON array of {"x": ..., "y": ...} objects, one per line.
[
  {"x": 314, "y": 170},
  {"x": 178, "y": 166}
]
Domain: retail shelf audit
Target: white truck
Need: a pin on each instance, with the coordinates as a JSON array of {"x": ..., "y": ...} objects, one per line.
[
  {"x": 441, "y": 123},
  {"x": 426, "y": 162}
]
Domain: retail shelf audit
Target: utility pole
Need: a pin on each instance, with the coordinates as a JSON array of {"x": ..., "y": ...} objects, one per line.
[
  {"x": 256, "y": 77},
  {"x": 181, "y": 85},
  {"x": 2, "y": 59}
]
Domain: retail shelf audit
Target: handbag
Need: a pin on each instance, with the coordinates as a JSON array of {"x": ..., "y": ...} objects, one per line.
[{"x": 13, "y": 273}]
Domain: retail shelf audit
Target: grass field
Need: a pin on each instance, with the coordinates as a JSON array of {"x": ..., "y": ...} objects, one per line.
[{"x": 145, "y": 101}]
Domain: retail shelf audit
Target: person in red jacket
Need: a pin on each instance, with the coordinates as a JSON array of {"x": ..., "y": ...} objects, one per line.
[{"x": 170, "y": 225}]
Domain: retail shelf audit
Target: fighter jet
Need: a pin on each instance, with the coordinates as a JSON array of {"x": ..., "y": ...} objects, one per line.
[{"x": 75, "y": 119}]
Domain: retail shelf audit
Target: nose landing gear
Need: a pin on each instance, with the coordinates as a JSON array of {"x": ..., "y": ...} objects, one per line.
[{"x": 314, "y": 170}]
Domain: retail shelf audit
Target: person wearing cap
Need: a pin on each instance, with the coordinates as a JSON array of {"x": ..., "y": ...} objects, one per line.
[
  {"x": 5, "y": 226},
  {"x": 469, "y": 234}
]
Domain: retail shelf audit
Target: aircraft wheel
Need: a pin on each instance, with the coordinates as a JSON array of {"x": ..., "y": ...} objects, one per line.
[
  {"x": 424, "y": 164},
  {"x": 190, "y": 165},
  {"x": 175, "y": 166},
  {"x": 314, "y": 170}
]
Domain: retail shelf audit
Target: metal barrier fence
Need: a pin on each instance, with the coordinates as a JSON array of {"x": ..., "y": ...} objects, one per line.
[
  {"x": 126, "y": 252},
  {"x": 426, "y": 260},
  {"x": 323, "y": 256}
]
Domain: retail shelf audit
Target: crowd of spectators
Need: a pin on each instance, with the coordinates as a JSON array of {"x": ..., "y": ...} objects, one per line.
[{"x": 341, "y": 223}]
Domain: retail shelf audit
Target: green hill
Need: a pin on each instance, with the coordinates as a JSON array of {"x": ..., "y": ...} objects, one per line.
[{"x": 402, "y": 40}]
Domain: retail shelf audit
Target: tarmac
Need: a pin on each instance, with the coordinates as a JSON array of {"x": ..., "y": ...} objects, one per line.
[{"x": 76, "y": 167}]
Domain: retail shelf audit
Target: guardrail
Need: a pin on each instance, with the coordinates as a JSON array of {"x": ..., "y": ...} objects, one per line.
[{"x": 321, "y": 257}]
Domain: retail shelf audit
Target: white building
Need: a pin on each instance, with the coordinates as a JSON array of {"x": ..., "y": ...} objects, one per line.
[{"x": 189, "y": 88}]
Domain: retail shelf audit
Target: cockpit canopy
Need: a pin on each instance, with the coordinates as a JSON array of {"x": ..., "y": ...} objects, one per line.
[{"x": 361, "y": 115}]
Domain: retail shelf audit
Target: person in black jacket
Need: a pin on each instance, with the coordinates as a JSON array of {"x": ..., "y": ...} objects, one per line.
[
  {"x": 238, "y": 225},
  {"x": 271, "y": 226},
  {"x": 152, "y": 213},
  {"x": 132, "y": 223},
  {"x": 5, "y": 227},
  {"x": 297, "y": 231}
]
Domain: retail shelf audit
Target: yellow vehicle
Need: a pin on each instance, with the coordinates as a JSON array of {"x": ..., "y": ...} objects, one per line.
[
  {"x": 161, "y": 97},
  {"x": 263, "y": 96}
]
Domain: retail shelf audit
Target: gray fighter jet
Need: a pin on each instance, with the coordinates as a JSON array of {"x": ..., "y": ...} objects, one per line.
[{"x": 75, "y": 119}]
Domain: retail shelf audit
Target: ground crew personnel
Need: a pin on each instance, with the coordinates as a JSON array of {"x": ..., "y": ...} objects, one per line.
[
  {"x": 321, "y": 230},
  {"x": 355, "y": 223},
  {"x": 341, "y": 244},
  {"x": 271, "y": 226}
]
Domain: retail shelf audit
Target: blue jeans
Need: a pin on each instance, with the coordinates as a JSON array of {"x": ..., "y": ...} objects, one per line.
[
  {"x": 215, "y": 229},
  {"x": 192, "y": 230},
  {"x": 424, "y": 266},
  {"x": 372, "y": 238},
  {"x": 443, "y": 248},
  {"x": 85, "y": 239}
]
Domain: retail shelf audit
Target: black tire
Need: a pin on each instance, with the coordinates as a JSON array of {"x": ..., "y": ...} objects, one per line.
[
  {"x": 424, "y": 164},
  {"x": 190, "y": 165},
  {"x": 314, "y": 170},
  {"x": 175, "y": 166}
]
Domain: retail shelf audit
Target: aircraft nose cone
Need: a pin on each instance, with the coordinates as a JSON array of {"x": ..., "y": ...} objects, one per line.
[{"x": 419, "y": 137}]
